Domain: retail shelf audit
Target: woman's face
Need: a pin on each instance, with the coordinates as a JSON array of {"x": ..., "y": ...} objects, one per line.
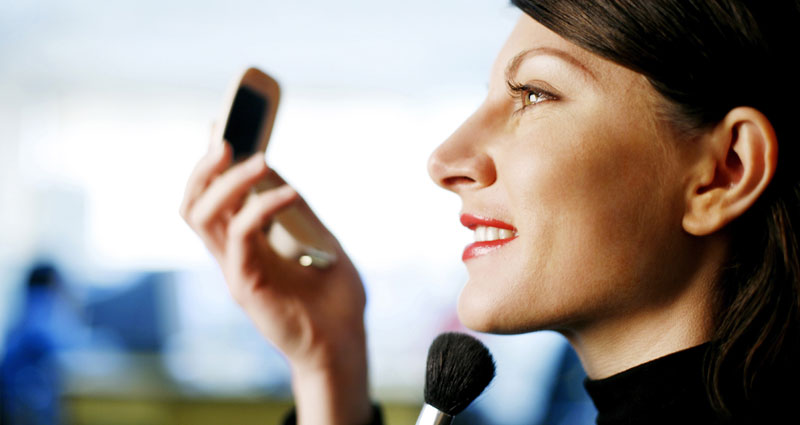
[{"x": 573, "y": 162}]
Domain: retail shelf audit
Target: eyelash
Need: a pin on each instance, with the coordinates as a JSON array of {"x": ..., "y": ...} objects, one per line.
[{"x": 523, "y": 92}]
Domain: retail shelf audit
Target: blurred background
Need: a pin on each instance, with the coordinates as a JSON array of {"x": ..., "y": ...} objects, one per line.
[{"x": 111, "y": 309}]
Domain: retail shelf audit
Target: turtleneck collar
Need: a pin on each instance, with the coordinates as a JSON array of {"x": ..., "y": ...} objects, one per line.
[{"x": 667, "y": 390}]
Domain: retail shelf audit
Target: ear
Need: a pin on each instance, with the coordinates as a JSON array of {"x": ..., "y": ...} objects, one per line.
[{"x": 736, "y": 162}]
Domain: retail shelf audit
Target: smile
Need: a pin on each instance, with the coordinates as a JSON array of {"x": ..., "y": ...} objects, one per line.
[{"x": 490, "y": 235}]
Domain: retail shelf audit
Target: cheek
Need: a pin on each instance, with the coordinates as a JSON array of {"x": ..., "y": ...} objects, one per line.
[
  {"x": 599, "y": 183},
  {"x": 596, "y": 218}
]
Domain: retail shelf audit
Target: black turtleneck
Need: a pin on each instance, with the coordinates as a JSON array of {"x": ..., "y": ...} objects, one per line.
[{"x": 672, "y": 390}]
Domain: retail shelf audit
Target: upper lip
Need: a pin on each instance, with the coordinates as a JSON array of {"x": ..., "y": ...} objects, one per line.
[{"x": 472, "y": 221}]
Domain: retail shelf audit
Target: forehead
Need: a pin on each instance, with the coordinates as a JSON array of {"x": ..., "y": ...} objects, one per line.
[
  {"x": 585, "y": 78},
  {"x": 529, "y": 35}
]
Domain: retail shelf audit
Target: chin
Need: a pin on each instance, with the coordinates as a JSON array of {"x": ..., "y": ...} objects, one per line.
[
  {"x": 486, "y": 308},
  {"x": 483, "y": 312}
]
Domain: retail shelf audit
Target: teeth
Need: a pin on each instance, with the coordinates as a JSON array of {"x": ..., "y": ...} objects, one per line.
[{"x": 485, "y": 234}]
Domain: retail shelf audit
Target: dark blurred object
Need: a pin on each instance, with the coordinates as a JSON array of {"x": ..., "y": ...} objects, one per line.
[{"x": 29, "y": 375}]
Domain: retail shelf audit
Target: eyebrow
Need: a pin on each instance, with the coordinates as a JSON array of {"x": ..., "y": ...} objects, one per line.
[{"x": 515, "y": 63}]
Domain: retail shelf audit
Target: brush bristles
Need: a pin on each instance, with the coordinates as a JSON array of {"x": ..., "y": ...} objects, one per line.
[{"x": 459, "y": 368}]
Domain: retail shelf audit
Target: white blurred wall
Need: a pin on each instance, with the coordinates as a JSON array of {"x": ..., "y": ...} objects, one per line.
[
  {"x": 105, "y": 106},
  {"x": 110, "y": 104}
]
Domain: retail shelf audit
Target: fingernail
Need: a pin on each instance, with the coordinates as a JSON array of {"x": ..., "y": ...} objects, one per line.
[
  {"x": 285, "y": 192},
  {"x": 256, "y": 162}
]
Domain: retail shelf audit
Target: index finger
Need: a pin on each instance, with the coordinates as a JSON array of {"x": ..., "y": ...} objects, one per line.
[{"x": 216, "y": 161}]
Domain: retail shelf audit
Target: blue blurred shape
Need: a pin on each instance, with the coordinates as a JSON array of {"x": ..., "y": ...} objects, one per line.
[
  {"x": 132, "y": 315},
  {"x": 29, "y": 377},
  {"x": 569, "y": 402}
]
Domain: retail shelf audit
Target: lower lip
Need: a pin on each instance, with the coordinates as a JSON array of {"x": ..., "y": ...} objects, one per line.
[{"x": 478, "y": 249}]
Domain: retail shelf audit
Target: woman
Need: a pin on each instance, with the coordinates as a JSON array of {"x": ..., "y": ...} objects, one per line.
[{"x": 624, "y": 178}]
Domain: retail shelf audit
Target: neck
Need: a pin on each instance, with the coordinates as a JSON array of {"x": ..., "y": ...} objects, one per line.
[
  {"x": 624, "y": 340},
  {"x": 618, "y": 346}
]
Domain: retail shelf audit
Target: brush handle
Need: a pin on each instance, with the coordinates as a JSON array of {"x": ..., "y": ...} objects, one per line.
[{"x": 433, "y": 416}]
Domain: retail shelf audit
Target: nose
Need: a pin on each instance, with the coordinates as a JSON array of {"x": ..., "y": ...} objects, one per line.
[{"x": 461, "y": 162}]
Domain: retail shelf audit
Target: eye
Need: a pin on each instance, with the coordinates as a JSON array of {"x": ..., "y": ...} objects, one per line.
[{"x": 529, "y": 95}]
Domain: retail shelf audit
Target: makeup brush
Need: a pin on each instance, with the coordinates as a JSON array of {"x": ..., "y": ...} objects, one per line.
[{"x": 459, "y": 368}]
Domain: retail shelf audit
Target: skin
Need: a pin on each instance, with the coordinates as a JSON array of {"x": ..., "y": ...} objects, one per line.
[
  {"x": 620, "y": 225},
  {"x": 601, "y": 191},
  {"x": 314, "y": 318}
]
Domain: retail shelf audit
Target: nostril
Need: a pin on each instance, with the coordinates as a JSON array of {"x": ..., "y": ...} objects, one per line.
[{"x": 457, "y": 181}]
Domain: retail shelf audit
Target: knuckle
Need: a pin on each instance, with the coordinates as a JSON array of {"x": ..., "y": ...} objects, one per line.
[
  {"x": 200, "y": 221},
  {"x": 240, "y": 175},
  {"x": 266, "y": 202},
  {"x": 251, "y": 168},
  {"x": 261, "y": 204},
  {"x": 237, "y": 231}
]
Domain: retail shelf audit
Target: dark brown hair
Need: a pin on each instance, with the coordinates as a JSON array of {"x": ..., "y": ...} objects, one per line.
[{"x": 706, "y": 57}]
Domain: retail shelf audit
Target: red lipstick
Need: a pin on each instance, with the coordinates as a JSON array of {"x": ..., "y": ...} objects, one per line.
[{"x": 477, "y": 249}]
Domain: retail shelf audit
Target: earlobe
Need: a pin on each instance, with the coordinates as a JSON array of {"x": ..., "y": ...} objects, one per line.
[{"x": 736, "y": 162}]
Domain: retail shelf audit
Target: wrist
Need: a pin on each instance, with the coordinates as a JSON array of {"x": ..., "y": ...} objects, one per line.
[{"x": 333, "y": 389}]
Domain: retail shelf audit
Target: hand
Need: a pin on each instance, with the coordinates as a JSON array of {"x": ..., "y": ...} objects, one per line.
[{"x": 315, "y": 317}]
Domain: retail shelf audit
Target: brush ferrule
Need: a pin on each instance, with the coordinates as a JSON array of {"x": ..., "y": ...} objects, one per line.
[{"x": 433, "y": 416}]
